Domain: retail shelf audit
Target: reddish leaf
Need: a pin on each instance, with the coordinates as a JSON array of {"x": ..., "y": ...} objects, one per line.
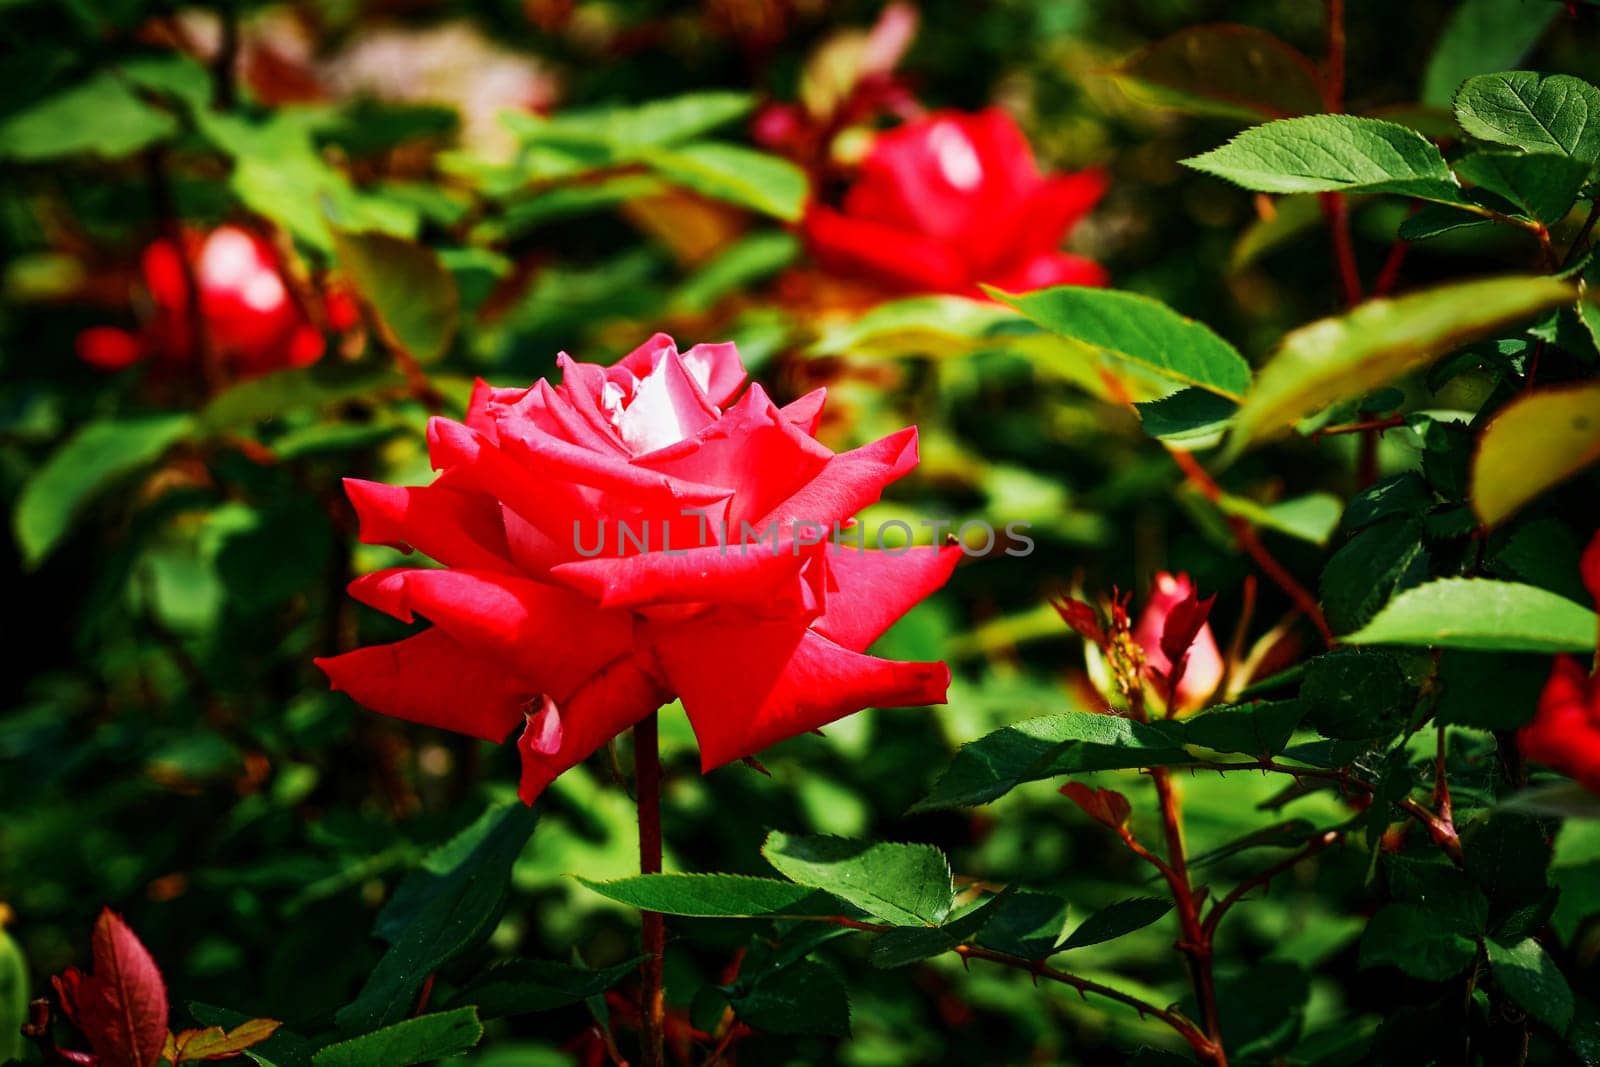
[
  {"x": 1103, "y": 805},
  {"x": 121, "y": 1006},
  {"x": 1183, "y": 624},
  {"x": 1083, "y": 619},
  {"x": 213, "y": 1043},
  {"x": 1590, "y": 567}
]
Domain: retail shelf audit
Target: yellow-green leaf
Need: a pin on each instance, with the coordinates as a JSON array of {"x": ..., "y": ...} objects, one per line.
[
  {"x": 1537, "y": 442},
  {"x": 410, "y": 291},
  {"x": 1364, "y": 349}
]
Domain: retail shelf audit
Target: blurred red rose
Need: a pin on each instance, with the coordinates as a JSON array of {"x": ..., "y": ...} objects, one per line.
[
  {"x": 950, "y": 200},
  {"x": 1172, "y": 605},
  {"x": 1565, "y": 731},
  {"x": 589, "y": 577},
  {"x": 252, "y": 322}
]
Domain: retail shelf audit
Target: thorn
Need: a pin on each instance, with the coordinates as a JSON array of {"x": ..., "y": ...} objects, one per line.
[{"x": 755, "y": 764}]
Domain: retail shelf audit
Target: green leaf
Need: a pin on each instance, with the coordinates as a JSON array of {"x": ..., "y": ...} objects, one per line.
[
  {"x": 1367, "y": 568},
  {"x": 1189, "y": 416},
  {"x": 420, "y": 1040},
  {"x": 908, "y": 885},
  {"x": 916, "y": 326},
  {"x": 712, "y": 895},
  {"x": 1540, "y": 112},
  {"x": 1025, "y": 924},
  {"x": 1533, "y": 444},
  {"x": 284, "y": 1048},
  {"x": 1312, "y": 517},
  {"x": 908, "y": 944},
  {"x": 1349, "y": 355},
  {"x": 1115, "y": 920},
  {"x": 1488, "y": 690},
  {"x": 1561, "y": 800},
  {"x": 1290, "y": 218},
  {"x": 1332, "y": 153},
  {"x": 1036, "y": 749},
  {"x": 1482, "y": 36},
  {"x": 1434, "y": 220},
  {"x": 516, "y": 987},
  {"x": 1526, "y": 973},
  {"x": 439, "y": 911},
  {"x": 1418, "y": 942},
  {"x": 14, "y": 998},
  {"x": 1138, "y": 330},
  {"x": 1542, "y": 185},
  {"x": 1482, "y": 615},
  {"x": 410, "y": 291},
  {"x": 1227, "y": 70},
  {"x": 657, "y": 123},
  {"x": 91, "y": 461},
  {"x": 806, "y": 997},
  {"x": 738, "y": 175},
  {"x": 1261, "y": 730},
  {"x": 1355, "y": 693},
  {"x": 743, "y": 265},
  {"x": 295, "y": 389},
  {"x": 102, "y": 116}
]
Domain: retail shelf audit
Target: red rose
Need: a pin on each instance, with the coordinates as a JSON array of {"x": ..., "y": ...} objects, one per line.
[
  {"x": 1565, "y": 731},
  {"x": 590, "y": 536},
  {"x": 953, "y": 199},
  {"x": 1203, "y": 672},
  {"x": 251, "y": 320}
]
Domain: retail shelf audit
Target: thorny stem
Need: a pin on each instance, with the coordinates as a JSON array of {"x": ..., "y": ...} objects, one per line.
[
  {"x": 1220, "y": 908},
  {"x": 1387, "y": 423},
  {"x": 1246, "y": 537},
  {"x": 1195, "y": 942},
  {"x": 1440, "y": 828},
  {"x": 1186, "y": 1028},
  {"x": 647, "y": 772}
]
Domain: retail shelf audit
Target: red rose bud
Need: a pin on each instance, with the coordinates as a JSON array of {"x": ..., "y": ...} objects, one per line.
[
  {"x": 251, "y": 320},
  {"x": 638, "y": 533},
  {"x": 1174, "y": 623},
  {"x": 950, "y": 200}
]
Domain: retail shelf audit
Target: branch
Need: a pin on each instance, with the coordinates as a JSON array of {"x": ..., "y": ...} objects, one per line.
[
  {"x": 1185, "y": 1027},
  {"x": 1220, "y": 908}
]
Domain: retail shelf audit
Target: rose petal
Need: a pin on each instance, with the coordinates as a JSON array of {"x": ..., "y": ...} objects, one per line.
[
  {"x": 546, "y": 635},
  {"x": 789, "y": 681},
  {"x": 456, "y": 529},
  {"x": 609, "y": 703},
  {"x": 431, "y": 679},
  {"x": 873, "y": 589}
]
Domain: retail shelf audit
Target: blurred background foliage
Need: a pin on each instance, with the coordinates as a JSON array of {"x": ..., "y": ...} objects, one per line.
[{"x": 168, "y": 749}]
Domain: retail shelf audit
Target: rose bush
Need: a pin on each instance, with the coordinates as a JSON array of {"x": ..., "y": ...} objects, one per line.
[
  {"x": 1565, "y": 731},
  {"x": 637, "y": 533},
  {"x": 949, "y": 201}
]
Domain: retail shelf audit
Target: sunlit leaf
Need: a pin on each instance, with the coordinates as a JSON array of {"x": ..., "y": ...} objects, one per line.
[
  {"x": 1332, "y": 153},
  {"x": 102, "y": 116},
  {"x": 739, "y": 175},
  {"x": 908, "y": 885},
  {"x": 1483, "y": 615},
  {"x": 1142, "y": 331},
  {"x": 1352, "y": 354},
  {"x": 1536, "y": 442},
  {"x": 711, "y": 895}
]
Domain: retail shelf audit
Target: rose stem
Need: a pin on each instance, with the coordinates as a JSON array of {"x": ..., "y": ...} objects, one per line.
[{"x": 653, "y": 933}]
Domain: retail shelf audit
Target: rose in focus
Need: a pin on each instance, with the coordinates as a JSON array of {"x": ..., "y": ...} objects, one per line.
[
  {"x": 1565, "y": 731},
  {"x": 951, "y": 200},
  {"x": 760, "y": 642},
  {"x": 251, "y": 320}
]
